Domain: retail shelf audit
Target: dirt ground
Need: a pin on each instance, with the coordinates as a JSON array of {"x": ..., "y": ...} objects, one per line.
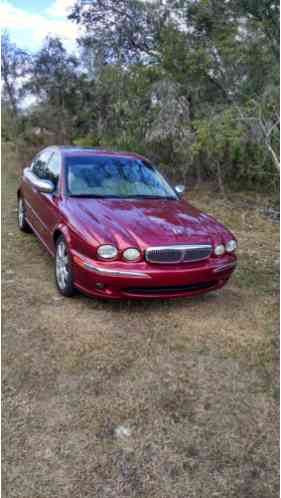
[{"x": 162, "y": 399}]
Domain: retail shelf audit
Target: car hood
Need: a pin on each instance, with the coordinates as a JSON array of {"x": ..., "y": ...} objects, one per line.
[{"x": 142, "y": 223}]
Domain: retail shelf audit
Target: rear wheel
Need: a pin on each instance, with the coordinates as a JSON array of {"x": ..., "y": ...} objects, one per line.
[
  {"x": 63, "y": 269},
  {"x": 22, "y": 223}
]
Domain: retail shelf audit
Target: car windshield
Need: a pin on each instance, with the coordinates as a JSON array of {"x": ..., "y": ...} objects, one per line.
[{"x": 117, "y": 177}]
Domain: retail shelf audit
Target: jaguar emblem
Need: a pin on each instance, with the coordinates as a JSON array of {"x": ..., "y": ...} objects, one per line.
[{"x": 178, "y": 230}]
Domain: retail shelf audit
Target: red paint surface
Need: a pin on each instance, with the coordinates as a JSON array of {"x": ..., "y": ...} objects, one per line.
[{"x": 89, "y": 223}]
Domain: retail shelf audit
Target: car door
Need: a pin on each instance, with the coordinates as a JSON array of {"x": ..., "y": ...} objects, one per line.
[
  {"x": 48, "y": 205},
  {"x": 31, "y": 194}
]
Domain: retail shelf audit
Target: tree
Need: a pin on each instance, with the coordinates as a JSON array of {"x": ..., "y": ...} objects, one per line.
[
  {"x": 15, "y": 65},
  {"x": 264, "y": 17},
  {"x": 120, "y": 31},
  {"x": 57, "y": 86},
  {"x": 192, "y": 84}
]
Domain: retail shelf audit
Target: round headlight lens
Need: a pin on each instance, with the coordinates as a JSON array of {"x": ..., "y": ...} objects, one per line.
[
  {"x": 219, "y": 250},
  {"x": 107, "y": 251},
  {"x": 131, "y": 254},
  {"x": 231, "y": 246}
]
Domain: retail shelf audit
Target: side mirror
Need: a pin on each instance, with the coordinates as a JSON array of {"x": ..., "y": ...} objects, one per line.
[
  {"x": 180, "y": 189},
  {"x": 45, "y": 186}
]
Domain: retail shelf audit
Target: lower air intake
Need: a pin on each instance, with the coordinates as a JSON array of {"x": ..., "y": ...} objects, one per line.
[{"x": 171, "y": 289}]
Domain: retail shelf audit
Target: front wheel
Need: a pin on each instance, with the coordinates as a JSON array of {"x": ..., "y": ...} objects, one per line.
[{"x": 63, "y": 273}]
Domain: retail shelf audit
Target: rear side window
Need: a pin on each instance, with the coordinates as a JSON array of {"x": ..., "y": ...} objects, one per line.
[{"x": 39, "y": 165}]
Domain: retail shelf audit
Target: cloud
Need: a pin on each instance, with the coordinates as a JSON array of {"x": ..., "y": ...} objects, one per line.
[
  {"x": 60, "y": 8},
  {"x": 31, "y": 28}
]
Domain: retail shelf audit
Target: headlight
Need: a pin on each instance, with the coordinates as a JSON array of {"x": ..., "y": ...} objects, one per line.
[
  {"x": 107, "y": 252},
  {"x": 219, "y": 250},
  {"x": 131, "y": 254},
  {"x": 231, "y": 246}
]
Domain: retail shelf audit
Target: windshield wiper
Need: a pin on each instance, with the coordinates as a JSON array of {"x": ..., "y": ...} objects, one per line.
[
  {"x": 150, "y": 197},
  {"x": 93, "y": 196}
]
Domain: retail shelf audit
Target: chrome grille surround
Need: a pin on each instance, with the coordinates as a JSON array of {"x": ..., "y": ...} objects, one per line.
[{"x": 178, "y": 253}]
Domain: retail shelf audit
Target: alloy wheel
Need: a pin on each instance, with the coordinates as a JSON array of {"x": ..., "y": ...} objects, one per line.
[{"x": 62, "y": 265}]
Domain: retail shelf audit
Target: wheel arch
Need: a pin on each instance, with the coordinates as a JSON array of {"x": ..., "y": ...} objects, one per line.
[
  {"x": 57, "y": 233},
  {"x": 61, "y": 230}
]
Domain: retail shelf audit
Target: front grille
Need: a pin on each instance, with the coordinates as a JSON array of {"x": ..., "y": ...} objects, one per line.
[
  {"x": 178, "y": 254},
  {"x": 171, "y": 289}
]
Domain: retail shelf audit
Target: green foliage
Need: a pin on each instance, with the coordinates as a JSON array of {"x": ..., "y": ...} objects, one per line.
[
  {"x": 15, "y": 64},
  {"x": 230, "y": 153},
  {"x": 219, "y": 137},
  {"x": 87, "y": 141},
  {"x": 192, "y": 85}
]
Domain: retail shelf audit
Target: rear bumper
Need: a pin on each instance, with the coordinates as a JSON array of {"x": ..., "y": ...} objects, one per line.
[{"x": 119, "y": 280}]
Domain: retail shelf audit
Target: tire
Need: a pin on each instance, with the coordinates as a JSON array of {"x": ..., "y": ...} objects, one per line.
[
  {"x": 22, "y": 223},
  {"x": 63, "y": 269}
]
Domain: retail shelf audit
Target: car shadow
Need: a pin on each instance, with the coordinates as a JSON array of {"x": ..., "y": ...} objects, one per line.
[{"x": 148, "y": 305}]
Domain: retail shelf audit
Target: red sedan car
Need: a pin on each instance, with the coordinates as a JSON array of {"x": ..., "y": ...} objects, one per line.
[{"x": 117, "y": 229}]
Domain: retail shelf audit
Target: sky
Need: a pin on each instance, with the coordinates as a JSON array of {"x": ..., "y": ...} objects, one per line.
[{"x": 29, "y": 22}]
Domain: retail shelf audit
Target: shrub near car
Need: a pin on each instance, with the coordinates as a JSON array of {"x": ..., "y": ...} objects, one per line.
[{"x": 117, "y": 229}]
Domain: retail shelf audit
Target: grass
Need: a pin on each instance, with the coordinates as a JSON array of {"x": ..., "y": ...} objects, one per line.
[{"x": 162, "y": 399}]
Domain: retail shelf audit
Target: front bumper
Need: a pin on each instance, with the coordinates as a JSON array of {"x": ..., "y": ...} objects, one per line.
[{"x": 118, "y": 280}]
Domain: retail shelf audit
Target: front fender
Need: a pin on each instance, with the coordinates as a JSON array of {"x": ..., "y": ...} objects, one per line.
[
  {"x": 61, "y": 229},
  {"x": 74, "y": 241}
]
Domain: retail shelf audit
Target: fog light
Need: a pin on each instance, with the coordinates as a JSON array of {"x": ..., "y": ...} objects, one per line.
[{"x": 100, "y": 285}]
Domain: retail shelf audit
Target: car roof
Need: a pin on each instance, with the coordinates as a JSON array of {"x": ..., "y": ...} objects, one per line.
[{"x": 72, "y": 150}]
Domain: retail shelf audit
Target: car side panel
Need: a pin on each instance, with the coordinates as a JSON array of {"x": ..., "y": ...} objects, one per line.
[
  {"x": 47, "y": 209},
  {"x": 29, "y": 194}
]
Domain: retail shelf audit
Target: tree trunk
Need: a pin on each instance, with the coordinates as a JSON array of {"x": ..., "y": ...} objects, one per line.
[
  {"x": 274, "y": 156},
  {"x": 219, "y": 178}
]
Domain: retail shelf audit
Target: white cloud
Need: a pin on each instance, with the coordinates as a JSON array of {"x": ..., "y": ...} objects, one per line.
[
  {"x": 20, "y": 22},
  {"x": 60, "y": 8}
]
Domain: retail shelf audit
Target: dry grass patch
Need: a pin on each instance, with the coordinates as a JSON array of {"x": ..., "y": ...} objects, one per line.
[{"x": 162, "y": 399}]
